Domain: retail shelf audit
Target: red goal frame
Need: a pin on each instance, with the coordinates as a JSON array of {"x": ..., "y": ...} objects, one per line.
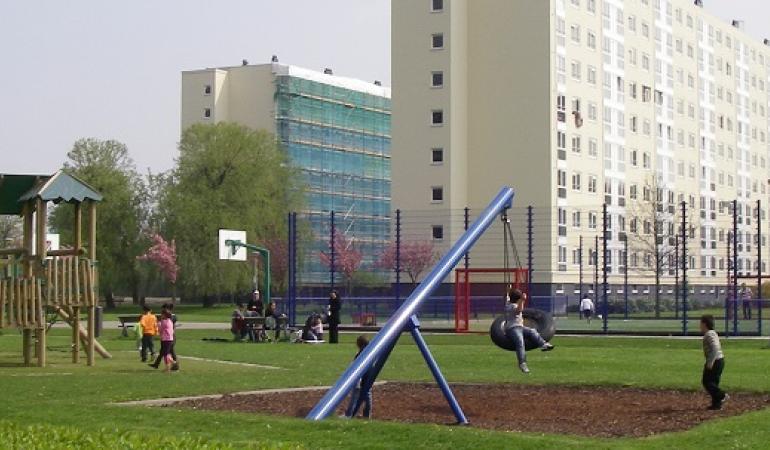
[{"x": 519, "y": 279}]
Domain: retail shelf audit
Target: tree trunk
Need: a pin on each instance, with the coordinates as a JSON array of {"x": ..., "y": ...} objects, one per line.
[
  {"x": 657, "y": 294},
  {"x": 109, "y": 299}
]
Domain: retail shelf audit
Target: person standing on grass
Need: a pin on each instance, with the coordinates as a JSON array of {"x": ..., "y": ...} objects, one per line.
[
  {"x": 362, "y": 393},
  {"x": 167, "y": 340},
  {"x": 586, "y": 308},
  {"x": 516, "y": 331},
  {"x": 335, "y": 304},
  {"x": 715, "y": 362},
  {"x": 149, "y": 324},
  {"x": 746, "y": 301},
  {"x": 169, "y": 307}
]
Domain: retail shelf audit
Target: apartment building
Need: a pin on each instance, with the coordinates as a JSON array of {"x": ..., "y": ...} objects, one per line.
[
  {"x": 639, "y": 104},
  {"x": 336, "y": 131}
]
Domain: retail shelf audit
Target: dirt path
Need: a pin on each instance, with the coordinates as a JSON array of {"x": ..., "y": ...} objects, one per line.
[{"x": 588, "y": 411}]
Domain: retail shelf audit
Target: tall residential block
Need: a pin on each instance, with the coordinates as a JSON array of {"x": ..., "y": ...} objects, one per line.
[
  {"x": 641, "y": 105},
  {"x": 336, "y": 131}
]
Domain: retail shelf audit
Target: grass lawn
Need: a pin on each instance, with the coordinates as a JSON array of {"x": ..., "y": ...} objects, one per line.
[{"x": 65, "y": 395}]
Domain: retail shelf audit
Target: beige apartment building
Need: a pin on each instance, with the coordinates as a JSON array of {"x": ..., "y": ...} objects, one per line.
[{"x": 639, "y": 104}]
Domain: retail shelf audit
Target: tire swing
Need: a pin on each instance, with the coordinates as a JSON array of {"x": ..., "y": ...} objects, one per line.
[{"x": 533, "y": 318}]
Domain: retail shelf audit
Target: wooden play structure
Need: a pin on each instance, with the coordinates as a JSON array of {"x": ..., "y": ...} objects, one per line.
[{"x": 34, "y": 280}]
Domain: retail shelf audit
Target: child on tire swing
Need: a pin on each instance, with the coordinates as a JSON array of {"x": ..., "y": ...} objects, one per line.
[{"x": 516, "y": 331}]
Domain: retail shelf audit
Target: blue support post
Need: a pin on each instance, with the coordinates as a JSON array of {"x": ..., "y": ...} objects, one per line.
[
  {"x": 735, "y": 267},
  {"x": 398, "y": 256},
  {"x": 625, "y": 276},
  {"x": 414, "y": 329},
  {"x": 529, "y": 250},
  {"x": 580, "y": 271},
  {"x": 401, "y": 319},
  {"x": 759, "y": 266}
]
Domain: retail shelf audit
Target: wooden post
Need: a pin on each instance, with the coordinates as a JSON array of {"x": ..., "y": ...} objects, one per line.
[
  {"x": 78, "y": 226},
  {"x": 91, "y": 282},
  {"x": 75, "y": 334},
  {"x": 27, "y": 238},
  {"x": 41, "y": 325}
]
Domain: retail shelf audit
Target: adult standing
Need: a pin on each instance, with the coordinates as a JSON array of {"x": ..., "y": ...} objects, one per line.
[
  {"x": 746, "y": 302},
  {"x": 335, "y": 303},
  {"x": 586, "y": 308}
]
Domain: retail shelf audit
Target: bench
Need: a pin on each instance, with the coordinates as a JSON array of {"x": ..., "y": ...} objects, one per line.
[
  {"x": 130, "y": 321},
  {"x": 257, "y": 323}
]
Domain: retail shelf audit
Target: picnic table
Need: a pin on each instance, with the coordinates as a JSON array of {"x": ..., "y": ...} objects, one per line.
[
  {"x": 130, "y": 321},
  {"x": 257, "y": 323}
]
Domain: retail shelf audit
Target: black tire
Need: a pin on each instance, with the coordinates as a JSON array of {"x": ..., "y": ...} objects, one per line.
[{"x": 533, "y": 318}]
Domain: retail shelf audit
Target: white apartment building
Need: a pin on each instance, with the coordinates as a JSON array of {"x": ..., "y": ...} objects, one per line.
[{"x": 639, "y": 104}]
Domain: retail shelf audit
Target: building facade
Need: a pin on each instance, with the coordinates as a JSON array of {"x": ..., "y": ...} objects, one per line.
[
  {"x": 641, "y": 105},
  {"x": 335, "y": 130}
]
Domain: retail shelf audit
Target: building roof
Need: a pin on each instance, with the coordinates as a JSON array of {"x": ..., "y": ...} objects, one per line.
[
  {"x": 57, "y": 188},
  {"x": 353, "y": 84}
]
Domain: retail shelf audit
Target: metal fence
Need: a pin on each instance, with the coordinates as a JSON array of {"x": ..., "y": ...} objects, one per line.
[{"x": 703, "y": 256}]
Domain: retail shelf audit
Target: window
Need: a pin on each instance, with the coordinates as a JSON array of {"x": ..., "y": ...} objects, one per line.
[
  {"x": 576, "y": 70},
  {"x": 437, "y": 156},
  {"x": 575, "y": 33},
  {"x": 592, "y": 220},
  {"x": 646, "y": 162},
  {"x": 576, "y": 219},
  {"x": 437, "y": 79},
  {"x": 437, "y": 40},
  {"x": 591, "y": 75},
  {"x": 634, "y": 159},
  {"x": 592, "y": 184},
  {"x": 437, "y": 5},
  {"x": 438, "y": 232},
  {"x": 207, "y": 89},
  {"x": 591, "y": 40},
  {"x": 593, "y": 148},
  {"x": 591, "y": 6},
  {"x": 576, "y": 181},
  {"x": 592, "y": 111},
  {"x": 437, "y": 117},
  {"x": 207, "y": 113},
  {"x": 437, "y": 194},
  {"x": 575, "y": 144}
]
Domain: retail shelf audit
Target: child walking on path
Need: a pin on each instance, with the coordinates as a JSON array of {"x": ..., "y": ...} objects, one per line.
[
  {"x": 168, "y": 307},
  {"x": 149, "y": 324},
  {"x": 516, "y": 331},
  {"x": 715, "y": 362},
  {"x": 167, "y": 339},
  {"x": 359, "y": 397}
]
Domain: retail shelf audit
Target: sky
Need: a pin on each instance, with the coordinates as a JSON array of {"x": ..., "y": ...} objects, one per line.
[{"x": 112, "y": 70}]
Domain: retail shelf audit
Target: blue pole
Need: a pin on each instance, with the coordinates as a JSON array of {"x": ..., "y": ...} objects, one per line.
[
  {"x": 293, "y": 263},
  {"x": 466, "y": 222},
  {"x": 290, "y": 246},
  {"x": 398, "y": 322},
  {"x": 685, "y": 288},
  {"x": 434, "y": 369}
]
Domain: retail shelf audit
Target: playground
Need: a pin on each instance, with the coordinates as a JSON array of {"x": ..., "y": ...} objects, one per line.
[{"x": 433, "y": 390}]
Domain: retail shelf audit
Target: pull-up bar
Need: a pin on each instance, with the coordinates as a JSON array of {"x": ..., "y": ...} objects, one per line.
[{"x": 404, "y": 319}]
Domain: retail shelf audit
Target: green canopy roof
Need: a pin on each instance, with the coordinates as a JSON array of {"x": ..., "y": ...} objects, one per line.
[{"x": 15, "y": 190}]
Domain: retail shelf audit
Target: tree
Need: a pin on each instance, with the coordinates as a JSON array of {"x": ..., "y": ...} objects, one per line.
[
  {"x": 107, "y": 167},
  {"x": 347, "y": 259},
  {"x": 654, "y": 220},
  {"x": 416, "y": 257},
  {"x": 163, "y": 255},
  {"x": 279, "y": 261},
  {"x": 226, "y": 176},
  {"x": 10, "y": 231}
]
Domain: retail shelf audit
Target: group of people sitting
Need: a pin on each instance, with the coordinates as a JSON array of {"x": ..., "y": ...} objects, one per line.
[{"x": 244, "y": 329}]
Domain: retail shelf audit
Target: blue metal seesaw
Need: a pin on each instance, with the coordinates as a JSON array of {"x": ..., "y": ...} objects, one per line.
[{"x": 404, "y": 319}]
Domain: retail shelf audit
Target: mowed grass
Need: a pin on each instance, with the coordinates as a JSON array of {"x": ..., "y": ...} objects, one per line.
[{"x": 67, "y": 395}]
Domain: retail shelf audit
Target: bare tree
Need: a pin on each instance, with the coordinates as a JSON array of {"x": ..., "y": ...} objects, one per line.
[{"x": 654, "y": 218}]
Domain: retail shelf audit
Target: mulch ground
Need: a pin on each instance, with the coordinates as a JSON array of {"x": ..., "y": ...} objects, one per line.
[{"x": 588, "y": 411}]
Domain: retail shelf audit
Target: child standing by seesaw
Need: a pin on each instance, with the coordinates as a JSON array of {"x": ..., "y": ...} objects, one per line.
[
  {"x": 715, "y": 362},
  {"x": 362, "y": 393},
  {"x": 516, "y": 331}
]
